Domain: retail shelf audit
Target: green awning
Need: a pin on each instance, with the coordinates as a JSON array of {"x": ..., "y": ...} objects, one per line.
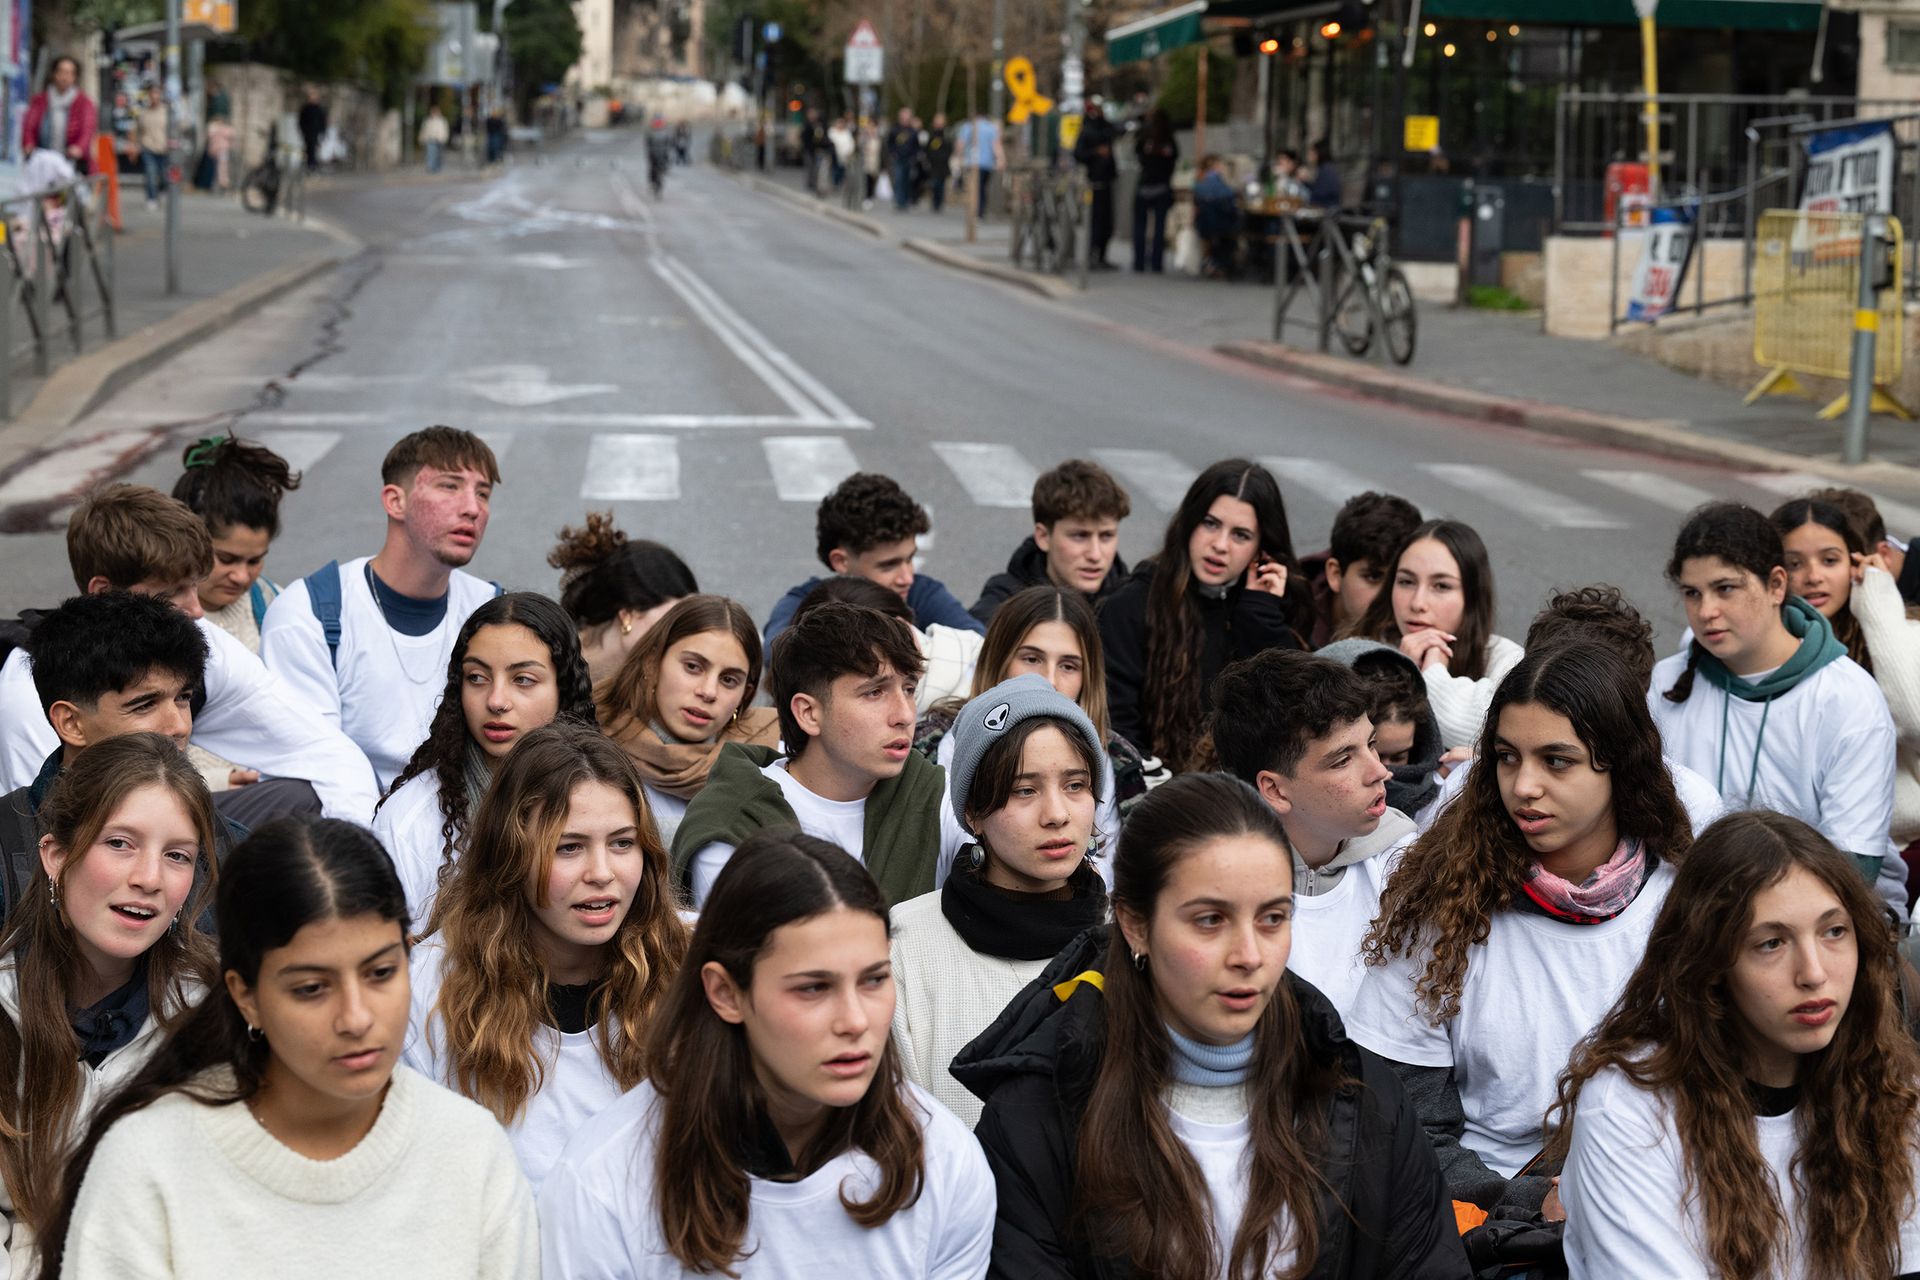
[
  {"x": 1742, "y": 15},
  {"x": 1151, "y": 36}
]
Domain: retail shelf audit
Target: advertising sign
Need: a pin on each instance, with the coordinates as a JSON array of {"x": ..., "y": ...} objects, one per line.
[{"x": 1663, "y": 261}]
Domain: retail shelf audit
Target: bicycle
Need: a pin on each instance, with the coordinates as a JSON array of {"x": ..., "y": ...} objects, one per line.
[
  {"x": 260, "y": 189},
  {"x": 1377, "y": 288}
]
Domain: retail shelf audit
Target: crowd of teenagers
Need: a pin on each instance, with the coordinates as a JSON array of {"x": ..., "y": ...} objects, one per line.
[{"x": 1239, "y": 914}]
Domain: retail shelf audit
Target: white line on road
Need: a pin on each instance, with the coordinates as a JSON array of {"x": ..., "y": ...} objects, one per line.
[
  {"x": 1329, "y": 482},
  {"x": 1160, "y": 476},
  {"x": 73, "y": 468},
  {"x": 994, "y": 475},
  {"x": 1665, "y": 491},
  {"x": 1901, "y": 520},
  {"x": 1522, "y": 497},
  {"x": 834, "y": 406},
  {"x": 805, "y": 468},
  {"x": 743, "y": 351},
  {"x": 402, "y": 422},
  {"x": 633, "y": 468},
  {"x": 301, "y": 449}
]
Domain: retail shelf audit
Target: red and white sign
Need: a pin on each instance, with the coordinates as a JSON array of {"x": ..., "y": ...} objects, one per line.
[{"x": 865, "y": 59}]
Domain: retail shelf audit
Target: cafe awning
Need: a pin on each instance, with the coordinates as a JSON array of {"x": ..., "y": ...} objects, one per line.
[
  {"x": 1738, "y": 15},
  {"x": 1155, "y": 34}
]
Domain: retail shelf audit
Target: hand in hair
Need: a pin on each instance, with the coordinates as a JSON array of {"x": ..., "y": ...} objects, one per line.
[
  {"x": 1862, "y": 563},
  {"x": 1428, "y": 647}
]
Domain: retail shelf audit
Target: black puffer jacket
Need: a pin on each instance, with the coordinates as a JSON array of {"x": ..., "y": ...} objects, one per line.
[
  {"x": 1027, "y": 567},
  {"x": 1035, "y": 1067}
]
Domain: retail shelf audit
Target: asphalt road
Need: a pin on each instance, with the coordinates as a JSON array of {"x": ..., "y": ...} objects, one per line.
[{"x": 708, "y": 364}]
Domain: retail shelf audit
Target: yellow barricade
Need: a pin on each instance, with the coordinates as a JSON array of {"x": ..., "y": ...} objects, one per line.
[{"x": 1806, "y": 291}]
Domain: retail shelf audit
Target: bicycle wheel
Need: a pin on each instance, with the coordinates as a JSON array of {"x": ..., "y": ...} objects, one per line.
[
  {"x": 1351, "y": 319},
  {"x": 1396, "y": 306},
  {"x": 256, "y": 193}
]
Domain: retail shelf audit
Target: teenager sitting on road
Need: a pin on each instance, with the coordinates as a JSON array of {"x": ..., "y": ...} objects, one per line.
[
  {"x": 1367, "y": 530},
  {"x": 1075, "y": 544},
  {"x": 869, "y": 528},
  {"x": 616, "y": 588}
]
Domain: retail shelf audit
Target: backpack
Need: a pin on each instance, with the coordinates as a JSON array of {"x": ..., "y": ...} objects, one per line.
[{"x": 323, "y": 593}]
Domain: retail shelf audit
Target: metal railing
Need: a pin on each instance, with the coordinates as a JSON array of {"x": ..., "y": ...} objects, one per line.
[
  {"x": 1047, "y": 209},
  {"x": 58, "y": 275},
  {"x": 1344, "y": 268}
]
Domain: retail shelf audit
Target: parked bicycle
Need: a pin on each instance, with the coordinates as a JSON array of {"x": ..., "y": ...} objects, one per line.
[{"x": 1377, "y": 289}]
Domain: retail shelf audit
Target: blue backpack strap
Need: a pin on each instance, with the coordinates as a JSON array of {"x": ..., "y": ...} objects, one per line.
[
  {"x": 323, "y": 593},
  {"x": 258, "y": 598},
  {"x": 498, "y": 590}
]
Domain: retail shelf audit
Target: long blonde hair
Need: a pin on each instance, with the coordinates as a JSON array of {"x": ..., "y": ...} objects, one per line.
[{"x": 493, "y": 992}]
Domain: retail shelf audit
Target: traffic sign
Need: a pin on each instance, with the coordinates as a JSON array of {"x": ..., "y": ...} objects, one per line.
[
  {"x": 864, "y": 36},
  {"x": 865, "y": 58},
  {"x": 771, "y": 33}
]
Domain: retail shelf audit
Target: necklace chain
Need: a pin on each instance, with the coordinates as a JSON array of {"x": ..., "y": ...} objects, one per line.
[{"x": 373, "y": 589}]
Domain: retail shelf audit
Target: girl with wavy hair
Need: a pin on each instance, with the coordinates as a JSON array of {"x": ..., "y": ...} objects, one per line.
[
  {"x": 682, "y": 694},
  {"x": 1751, "y": 1105},
  {"x": 515, "y": 666},
  {"x": 1225, "y": 585},
  {"x": 1765, "y": 702},
  {"x": 1508, "y": 929},
  {"x": 557, "y": 938},
  {"x": 615, "y": 588},
  {"x": 101, "y": 956},
  {"x": 1166, "y": 1100},
  {"x": 1438, "y": 609},
  {"x": 775, "y": 1124},
  {"x": 279, "y": 1112}
]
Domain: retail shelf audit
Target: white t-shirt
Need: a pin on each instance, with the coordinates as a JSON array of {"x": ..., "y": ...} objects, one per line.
[
  {"x": 1531, "y": 991},
  {"x": 577, "y": 1085},
  {"x": 1624, "y": 1186},
  {"x": 842, "y": 821},
  {"x": 1222, "y": 1152},
  {"x": 1826, "y": 758},
  {"x": 1697, "y": 796},
  {"x": 1328, "y": 927},
  {"x": 408, "y": 827},
  {"x": 599, "y": 1217},
  {"x": 667, "y": 810},
  {"x": 381, "y": 687},
  {"x": 251, "y": 716},
  {"x": 954, "y": 837}
]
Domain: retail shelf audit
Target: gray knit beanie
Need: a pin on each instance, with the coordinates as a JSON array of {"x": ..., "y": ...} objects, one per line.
[{"x": 991, "y": 716}]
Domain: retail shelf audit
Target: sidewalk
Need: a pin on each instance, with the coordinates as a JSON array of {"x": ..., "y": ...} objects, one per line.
[
  {"x": 1496, "y": 366},
  {"x": 230, "y": 262}
]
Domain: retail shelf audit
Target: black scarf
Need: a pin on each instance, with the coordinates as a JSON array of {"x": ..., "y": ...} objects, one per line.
[
  {"x": 1021, "y": 926},
  {"x": 114, "y": 1021}
]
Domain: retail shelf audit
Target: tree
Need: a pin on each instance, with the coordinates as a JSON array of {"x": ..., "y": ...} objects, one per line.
[
  {"x": 1177, "y": 91},
  {"x": 543, "y": 39},
  {"x": 380, "y": 43}
]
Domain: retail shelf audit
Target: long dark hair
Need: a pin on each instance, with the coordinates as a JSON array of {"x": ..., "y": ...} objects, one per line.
[
  {"x": 1474, "y": 861},
  {"x": 1674, "y": 1031},
  {"x": 1476, "y": 591},
  {"x": 603, "y": 571},
  {"x": 702, "y": 1068},
  {"x": 290, "y": 873},
  {"x": 229, "y": 482},
  {"x": 445, "y": 750},
  {"x": 1174, "y": 695},
  {"x": 40, "y": 1069},
  {"x": 1728, "y": 531},
  {"x": 1021, "y": 613},
  {"x": 1139, "y": 1194},
  {"x": 1789, "y": 516}
]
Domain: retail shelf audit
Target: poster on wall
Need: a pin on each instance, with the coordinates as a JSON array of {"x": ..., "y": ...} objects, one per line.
[{"x": 1664, "y": 256}]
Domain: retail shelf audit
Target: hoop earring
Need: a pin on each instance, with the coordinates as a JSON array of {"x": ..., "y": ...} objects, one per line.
[
  {"x": 255, "y": 1034},
  {"x": 1140, "y": 961}
]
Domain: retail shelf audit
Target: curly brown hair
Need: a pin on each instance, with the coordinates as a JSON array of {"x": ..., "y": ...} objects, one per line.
[
  {"x": 1475, "y": 862},
  {"x": 865, "y": 510},
  {"x": 1674, "y": 1031}
]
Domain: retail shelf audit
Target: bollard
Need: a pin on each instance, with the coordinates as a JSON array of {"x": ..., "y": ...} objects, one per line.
[
  {"x": 1866, "y": 327},
  {"x": 43, "y": 340}
]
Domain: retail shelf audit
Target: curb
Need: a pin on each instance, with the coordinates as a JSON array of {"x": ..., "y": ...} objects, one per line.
[
  {"x": 78, "y": 387},
  {"x": 1046, "y": 286},
  {"x": 1661, "y": 437},
  {"x": 819, "y": 208}
]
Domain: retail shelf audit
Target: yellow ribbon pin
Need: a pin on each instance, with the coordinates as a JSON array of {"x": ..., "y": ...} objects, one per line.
[{"x": 1027, "y": 100}]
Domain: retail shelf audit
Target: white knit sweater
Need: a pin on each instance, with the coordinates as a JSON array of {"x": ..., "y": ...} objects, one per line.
[
  {"x": 945, "y": 994},
  {"x": 182, "y": 1189},
  {"x": 1459, "y": 703},
  {"x": 1893, "y": 643}
]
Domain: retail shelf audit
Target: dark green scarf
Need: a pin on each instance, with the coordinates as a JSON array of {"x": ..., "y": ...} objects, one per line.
[{"x": 1818, "y": 647}]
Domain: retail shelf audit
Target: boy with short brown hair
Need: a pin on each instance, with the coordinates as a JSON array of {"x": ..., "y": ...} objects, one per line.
[{"x": 1075, "y": 545}]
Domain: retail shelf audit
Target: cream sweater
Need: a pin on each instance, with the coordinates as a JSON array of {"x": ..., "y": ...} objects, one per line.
[
  {"x": 1893, "y": 642},
  {"x": 182, "y": 1189},
  {"x": 1459, "y": 703}
]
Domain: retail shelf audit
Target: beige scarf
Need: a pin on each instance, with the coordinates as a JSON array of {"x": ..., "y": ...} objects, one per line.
[{"x": 681, "y": 768}]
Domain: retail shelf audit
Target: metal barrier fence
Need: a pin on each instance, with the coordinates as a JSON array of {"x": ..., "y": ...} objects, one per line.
[
  {"x": 1806, "y": 292},
  {"x": 58, "y": 274},
  {"x": 1048, "y": 211}
]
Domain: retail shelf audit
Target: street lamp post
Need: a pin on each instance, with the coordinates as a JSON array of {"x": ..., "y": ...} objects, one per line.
[{"x": 171, "y": 87}]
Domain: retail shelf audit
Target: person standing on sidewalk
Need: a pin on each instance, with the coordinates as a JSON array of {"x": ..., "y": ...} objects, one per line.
[
  {"x": 1093, "y": 151},
  {"x": 61, "y": 118},
  {"x": 840, "y": 139},
  {"x": 870, "y": 159},
  {"x": 434, "y": 133},
  {"x": 903, "y": 151},
  {"x": 313, "y": 126},
  {"x": 152, "y": 132},
  {"x": 937, "y": 155},
  {"x": 980, "y": 141},
  {"x": 1159, "y": 154},
  {"x": 814, "y": 149}
]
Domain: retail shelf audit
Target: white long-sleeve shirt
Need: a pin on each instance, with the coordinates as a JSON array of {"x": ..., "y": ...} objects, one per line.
[
  {"x": 1893, "y": 645},
  {"x": 1460, "y": 702},
  {"x": 250, "y": 714},
  {"x": 382, "y": 687}
]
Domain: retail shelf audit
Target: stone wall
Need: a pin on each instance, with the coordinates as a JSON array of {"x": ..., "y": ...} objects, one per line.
[{"x": 263, "y": 95}]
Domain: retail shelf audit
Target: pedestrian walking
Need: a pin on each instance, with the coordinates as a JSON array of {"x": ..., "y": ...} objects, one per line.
[
  {"x": 61, "y": 117},
  {"x": 1158, "y": 155},
  {"x": 312, "y": 123},
  {"x": 979, "y": 140},
  {"x": 840, "y": 138},
  {"x": 903, "y": 153},
  {"x": 1093, "y": 152},
  {"x": 870, "y": 161},
  {"x": 435, "y": 133},
  {"x": 150, "y": 131},
  {"x": 936, "y": 155},
  {"x": 816, "y": 150}
]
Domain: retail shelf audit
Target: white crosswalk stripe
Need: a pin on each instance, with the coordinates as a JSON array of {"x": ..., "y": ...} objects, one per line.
[
  {"x": 1665, "y": 491},
  {"x": 301, "y": 449},
  {"x": 1901, "y": 520},
  {"x": 1542, "y": 506},
  {"x": 994, "y": 475},
  {"x": 632, "y": 468},
  {"x": 806, "y": 468},
  {"x": 1159, "y": 477},
  {"x": 1316, "y": 477}
]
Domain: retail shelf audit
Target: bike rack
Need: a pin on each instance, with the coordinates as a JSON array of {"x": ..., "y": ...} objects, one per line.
[
  {"x": 70, "y": 264},
  {"x": 1321, "y": 261},
  {"x": 1049, "y": 214}
]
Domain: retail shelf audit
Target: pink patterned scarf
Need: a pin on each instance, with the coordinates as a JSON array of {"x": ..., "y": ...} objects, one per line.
[{"x": 1610, "y": 890}]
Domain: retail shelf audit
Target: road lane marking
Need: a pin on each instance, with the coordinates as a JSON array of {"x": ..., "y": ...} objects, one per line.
[
  {"x": 1902, "y": 521},
  {"x": 632, "y": 468},
  {"x": 806, "y": 468},
  {"x": 404, "y": 420},
  {"x": 1161, "y": 477},
  {"x": 743, "y": 351},
  {"x": 301, "y": 449},
  {"x": 994, "y": 475},
  {"x": 1522, "y": 497},
  {"x": 1665, "y": 491},
  {"x": 1327, "y": 481}
]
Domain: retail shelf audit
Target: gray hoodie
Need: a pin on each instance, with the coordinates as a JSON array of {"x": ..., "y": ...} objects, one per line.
[{"x": 1394, "y": 827}]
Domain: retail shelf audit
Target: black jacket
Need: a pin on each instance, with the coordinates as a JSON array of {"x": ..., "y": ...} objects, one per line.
[
  {"x": 1093, "y": 149},
  {"x": 1387, "y": 1218},
  {"x": 1237, "y": 626},
  {"x": 1027, "y": 567}
]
